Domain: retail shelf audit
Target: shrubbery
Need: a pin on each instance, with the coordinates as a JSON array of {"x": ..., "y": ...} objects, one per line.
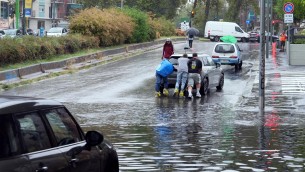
[{"x": 33, "y": 48}]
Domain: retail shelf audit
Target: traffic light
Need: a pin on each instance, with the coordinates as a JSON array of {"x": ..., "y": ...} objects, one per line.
[{"x": 192, "y": 13}]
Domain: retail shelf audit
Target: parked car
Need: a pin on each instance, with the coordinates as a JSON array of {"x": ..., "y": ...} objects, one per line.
[
  {"x": 2, "y": 34},
  {"x": 57, "y": 32},
  {"x": 211, "y": 75},
  {"x": 13, "y": 33},
  {"x": 227, "y": 54},
  {"x": 31, "y": 32},
  {"x": 42, "y": 135}
]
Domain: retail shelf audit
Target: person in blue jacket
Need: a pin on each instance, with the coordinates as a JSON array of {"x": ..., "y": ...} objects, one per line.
[{"x": 163, "y": 70}]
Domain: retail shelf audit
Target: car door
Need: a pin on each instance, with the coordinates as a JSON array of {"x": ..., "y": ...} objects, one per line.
[
  {"x": 11, "y": 159},
  {"x": 216, "y": 73},
  {"x": 207, "y": 70},
  {"x": 36, "y": 144},
  {"x": 239, "y": 54},
  {"x": 68, "y": 135}
]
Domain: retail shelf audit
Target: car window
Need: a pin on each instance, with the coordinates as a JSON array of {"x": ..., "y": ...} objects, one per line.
[
  {"x": 210, "y": 61},
  {"x": 204, "y": 61},
  {"x": 237, "y": 29},
  {"x": 224, "y": 48},
  {"x": 8, "y": 138},
  {"x": 33, "y": 132},
  {"x": 63, "y": 126}
]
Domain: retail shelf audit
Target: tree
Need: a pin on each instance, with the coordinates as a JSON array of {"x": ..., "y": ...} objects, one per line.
[{"x": 299, "y": 6}]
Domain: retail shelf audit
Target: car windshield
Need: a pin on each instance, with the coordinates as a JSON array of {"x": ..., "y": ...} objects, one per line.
[
  {"x": 55, "y": 30},
  {"x": 224, "y": 48}
]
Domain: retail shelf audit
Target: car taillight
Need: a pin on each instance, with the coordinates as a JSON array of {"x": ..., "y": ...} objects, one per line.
[
  {"x": 215, "y": 56},
  {"x": 233, "y": 57},
  {"x": 257, "y": 35}
]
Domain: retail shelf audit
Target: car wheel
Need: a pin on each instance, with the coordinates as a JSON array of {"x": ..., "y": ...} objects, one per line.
[
  {"x": 112, "y": 160},
  {"x": 240, "y": 64},
  {"x": 221, "y": 82},
  {"x": 216, "y": 39},
  {"x": 204, "y": 87}
]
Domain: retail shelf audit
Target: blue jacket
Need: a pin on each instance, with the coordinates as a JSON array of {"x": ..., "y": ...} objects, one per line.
[{"x": 165, "y": 68}]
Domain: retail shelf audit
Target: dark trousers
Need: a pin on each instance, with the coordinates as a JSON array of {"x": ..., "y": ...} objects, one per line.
[{"x": 190, "y": 43}]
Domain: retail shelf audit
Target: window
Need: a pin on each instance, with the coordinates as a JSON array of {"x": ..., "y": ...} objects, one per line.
[
  {"x": 237, "y": 29},
  {"x": 33, "y": 132},
  {"x": 210, "y": 60},
  {"x": 225, "y": 48},
  {"x": 8, "y": 138},
  {"x": 41, "y": 11},
  {"x": 40, "y": 24},
  {"x": 63, "y": 126},
  {"x": 4, "y": 10}
]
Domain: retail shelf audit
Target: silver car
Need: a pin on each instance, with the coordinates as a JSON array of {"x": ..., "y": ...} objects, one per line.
[{"x": 211, "y": 76}]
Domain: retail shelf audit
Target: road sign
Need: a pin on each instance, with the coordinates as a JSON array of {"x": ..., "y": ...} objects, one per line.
[
  {"x": 288, "y": 18},
  {"x": 248, "y": 21},
  {"x": 288, "y": 8}
]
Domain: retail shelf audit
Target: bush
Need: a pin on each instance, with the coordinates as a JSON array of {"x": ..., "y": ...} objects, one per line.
[
  {"x": 111, "y": 26},
  {"x": 34, "y": 48},
  {"x": 141, "y": 32}
]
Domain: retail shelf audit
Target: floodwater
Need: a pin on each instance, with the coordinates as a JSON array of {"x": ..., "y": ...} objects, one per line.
[{"x": 222, "y": 131}]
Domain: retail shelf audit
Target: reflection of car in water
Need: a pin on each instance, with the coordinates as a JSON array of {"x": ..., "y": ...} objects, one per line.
[
  {"x": 211, "y": 75},
  {"x": 42, "y": 135}
]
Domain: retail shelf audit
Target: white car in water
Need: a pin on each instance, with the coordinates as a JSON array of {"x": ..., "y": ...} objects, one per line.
[{"x": 57, "y": 32}]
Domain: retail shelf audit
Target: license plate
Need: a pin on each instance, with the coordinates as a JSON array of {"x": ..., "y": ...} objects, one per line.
[{"x": 224, "y": 61}]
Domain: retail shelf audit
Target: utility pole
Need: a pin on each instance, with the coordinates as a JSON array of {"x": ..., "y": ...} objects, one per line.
[
  {"x": 268, "y": 28},
  {"x": 17, "y": 14},
  {"x": 262, "y": 60},
  {"x": 122, "y": 4},
  {"x": 23, "y": 18}
]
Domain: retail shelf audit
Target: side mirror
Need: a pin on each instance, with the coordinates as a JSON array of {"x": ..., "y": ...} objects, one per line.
[{"x": 93, "y": 138}]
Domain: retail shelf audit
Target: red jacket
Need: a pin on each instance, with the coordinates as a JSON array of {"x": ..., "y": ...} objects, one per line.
[{"x": 168, "y": 50}]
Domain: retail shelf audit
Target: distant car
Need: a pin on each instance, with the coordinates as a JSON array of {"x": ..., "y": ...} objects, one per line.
[
  {"x": 228, "y": 54},
  {"x": 302, "y": 25},
  {"x": 255, "y": 36},
  {"x": 57, "y": 32},
  {"x": 211, "y": 75},
  {"x": 13, "y": 33},
  {"x": 31, "y": 32},
  {"x": 42, "y": 135},
  {"x": 2, "y": 34}
]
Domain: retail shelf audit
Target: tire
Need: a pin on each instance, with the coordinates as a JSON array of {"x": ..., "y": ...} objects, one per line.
[
  {"x": 204, "y": 87},
  {"x": 221, "y": 82},
  {"x": 112, "y": 164},
  {"x": 216, "y": 39},
  {"x": 240, "y": 64}
]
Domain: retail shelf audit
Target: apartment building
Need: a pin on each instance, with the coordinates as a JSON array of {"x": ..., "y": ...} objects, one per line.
[{"x": 38, "y": 13}]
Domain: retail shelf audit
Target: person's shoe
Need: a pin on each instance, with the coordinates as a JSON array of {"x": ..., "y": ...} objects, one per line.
[
  {"x": 165, "y": 92},
  {"x": 176, "y": 91},
  {"x": 181, "y": 94},
  {"x": 158, "y": 94},
  {"x": 198, "y": 95},
  {"x": 190, "y": 96}
]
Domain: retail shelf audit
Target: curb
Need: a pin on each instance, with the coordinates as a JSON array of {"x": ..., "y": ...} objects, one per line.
[{"x": 34, "y": 71}]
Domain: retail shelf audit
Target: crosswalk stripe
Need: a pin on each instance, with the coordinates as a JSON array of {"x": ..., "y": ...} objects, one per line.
[{"x": 293, "y": 83}]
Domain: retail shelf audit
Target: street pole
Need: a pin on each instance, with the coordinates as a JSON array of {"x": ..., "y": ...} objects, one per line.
[
  {"x": 17, "y": 14},
  {"x": 268, "y": 29},
  {"x": 262, "y": 61},
  {"x": 23, "y": 17},
  {"x": 122, "y": 4}
]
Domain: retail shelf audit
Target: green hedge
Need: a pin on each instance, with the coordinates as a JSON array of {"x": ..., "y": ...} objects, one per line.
[{"x": 34, "y": 48}]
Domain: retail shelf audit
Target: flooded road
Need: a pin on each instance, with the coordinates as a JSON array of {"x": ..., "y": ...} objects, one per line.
[{"x": 219, "y": 132}]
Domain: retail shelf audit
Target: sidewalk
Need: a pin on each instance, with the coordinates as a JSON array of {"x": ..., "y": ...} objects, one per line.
[{"x": 284, "y": 87}]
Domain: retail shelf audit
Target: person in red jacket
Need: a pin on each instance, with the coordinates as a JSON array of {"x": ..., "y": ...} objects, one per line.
[{"x": 168, "y": 49}]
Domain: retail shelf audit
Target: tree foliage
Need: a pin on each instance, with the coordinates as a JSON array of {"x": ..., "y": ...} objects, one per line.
[
  {"x": 299, "y": 6},
  {"x": 162, "y": 8}
]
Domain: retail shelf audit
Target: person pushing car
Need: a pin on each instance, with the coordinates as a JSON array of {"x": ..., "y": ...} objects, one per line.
[{"x": 194, "y": 70}]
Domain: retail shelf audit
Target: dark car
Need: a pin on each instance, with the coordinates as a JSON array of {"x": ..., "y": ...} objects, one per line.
[
  {"x": 212, "y": 74},
  {"x": 41, "y": 135},
  {"x": 255, "y": 36}
]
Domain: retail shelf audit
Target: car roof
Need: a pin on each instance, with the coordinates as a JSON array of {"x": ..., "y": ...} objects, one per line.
[
  {"x": 224, "y": 43},
  {"x": 188, "y": 54},
  {"x": 19, "y": 104}
]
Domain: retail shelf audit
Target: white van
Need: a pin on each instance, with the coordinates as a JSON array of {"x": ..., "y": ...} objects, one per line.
[{"x": 216, "y": 29}]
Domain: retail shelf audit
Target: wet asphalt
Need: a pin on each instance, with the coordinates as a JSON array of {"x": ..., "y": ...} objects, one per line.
[{"x": 218, "y": 132}]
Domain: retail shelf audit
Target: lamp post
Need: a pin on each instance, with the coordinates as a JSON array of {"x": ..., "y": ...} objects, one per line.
[{"x": 23, "y": 18}]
